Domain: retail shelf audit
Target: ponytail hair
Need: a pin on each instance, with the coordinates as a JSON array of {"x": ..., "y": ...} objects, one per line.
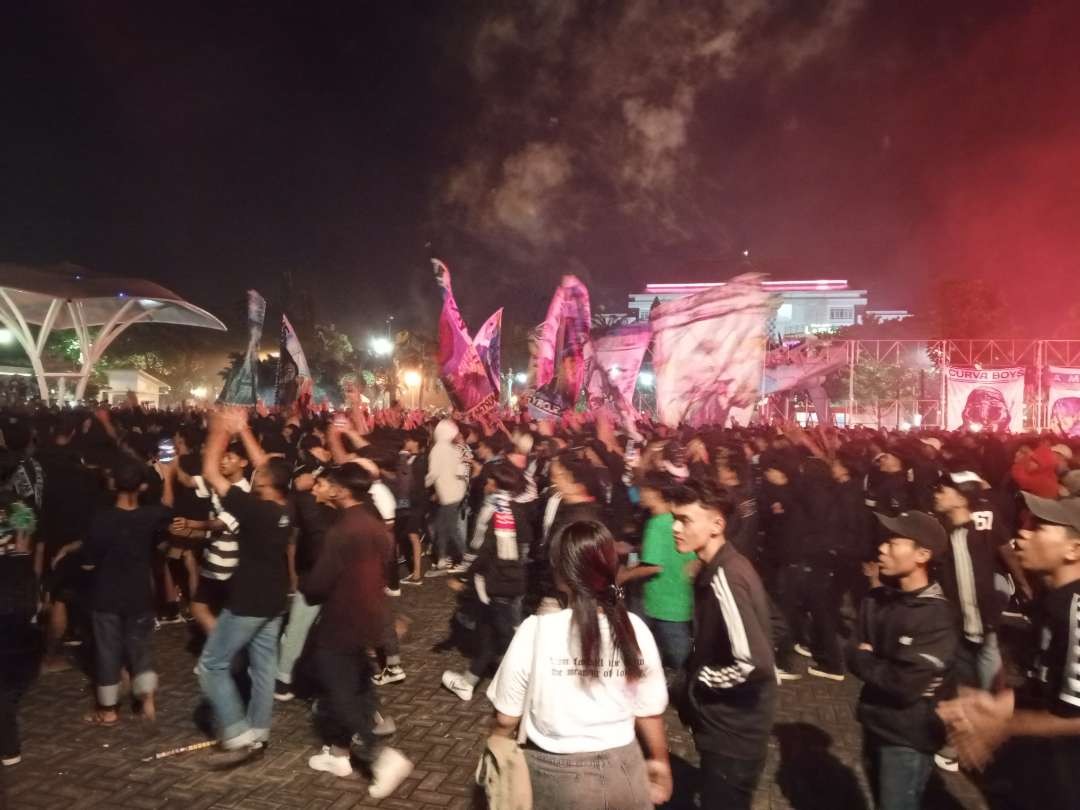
[{"x": 584, "y": 559}]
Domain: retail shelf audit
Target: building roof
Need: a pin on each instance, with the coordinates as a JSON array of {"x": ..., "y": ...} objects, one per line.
[
  {"x": 33, "y": 289},
  {"x": 810, "y": 285}
]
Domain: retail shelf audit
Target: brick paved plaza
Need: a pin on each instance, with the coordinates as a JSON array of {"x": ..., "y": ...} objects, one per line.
[{"x": 66, "y": 764}]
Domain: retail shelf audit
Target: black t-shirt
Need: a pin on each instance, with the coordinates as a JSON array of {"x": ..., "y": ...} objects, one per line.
[
  {"x": 1058, "y": 665},
  {"x": 260, "y": 584},
  {"x": 120, "y": 546},
  {"x": 71, "y": 495},
  {"x": 312, "y": 519},
  {"x": 187, "y": 502}
]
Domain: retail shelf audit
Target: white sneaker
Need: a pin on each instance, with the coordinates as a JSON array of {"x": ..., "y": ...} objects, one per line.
[
  {"x": 388, "y": 771},
  {"x": 950, "y": 764},
  {"x": 392, "y": 591},
  {"x": 7, "y": 762},
  {"x": 325, "y": 761},
  {"x": 783, "y": 675},
  {"x": 460, "y": 568},
  {"x": 392, "y": 674},
  {"x": 818, "y": 672},
  {"x": 457, "y": 684},
  {"x": 803, "y": 650},
  {"x": 440, "y": 569}
]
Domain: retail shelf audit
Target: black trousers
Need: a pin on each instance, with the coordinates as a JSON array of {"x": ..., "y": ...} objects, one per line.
[
  {"x": 729, "y": 782},
  {"x": 809, "y": 589},
  {"x": 494, "y": 630},
  {"x": 347, "y": 703},
  {"x": 19, "y": 644}
]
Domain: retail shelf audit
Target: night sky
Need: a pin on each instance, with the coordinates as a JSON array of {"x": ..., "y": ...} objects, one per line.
[{"x": 214, "y": 146}]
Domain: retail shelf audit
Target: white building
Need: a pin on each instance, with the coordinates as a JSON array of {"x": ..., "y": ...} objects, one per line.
[
  {"x": 805, "y": 307},
  {"x": 147, "y": 388}
]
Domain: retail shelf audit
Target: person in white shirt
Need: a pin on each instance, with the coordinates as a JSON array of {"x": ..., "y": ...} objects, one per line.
[
  {"x": 448, "y": 473},
  {"x": 587, "y": 682}
]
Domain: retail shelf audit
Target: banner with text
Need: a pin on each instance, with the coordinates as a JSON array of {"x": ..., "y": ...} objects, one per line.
[
  {"x": 989, "y": 399},
  {"x": 1063, "y": 401}
]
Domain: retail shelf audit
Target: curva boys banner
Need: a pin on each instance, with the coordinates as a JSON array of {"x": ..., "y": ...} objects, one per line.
[
  {"x": 989, "y": 399},
  {"x": 1063, "y": 401}
]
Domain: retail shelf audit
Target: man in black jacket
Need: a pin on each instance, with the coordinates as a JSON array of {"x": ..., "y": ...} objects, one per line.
[
  {"x": 903, "y": 650},
  {"x": 1033, "y": 735},
  {"x": 731, "y": 675}
]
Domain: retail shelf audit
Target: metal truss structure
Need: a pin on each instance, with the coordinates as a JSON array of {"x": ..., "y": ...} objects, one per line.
[{"x": 927, "y": 404}]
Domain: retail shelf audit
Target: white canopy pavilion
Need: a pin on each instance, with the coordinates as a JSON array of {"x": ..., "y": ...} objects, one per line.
[{"x": 67, "y": 296}]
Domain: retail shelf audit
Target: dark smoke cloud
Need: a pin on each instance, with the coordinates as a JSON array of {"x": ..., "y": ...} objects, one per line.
[{"x": 590, "y": 110}]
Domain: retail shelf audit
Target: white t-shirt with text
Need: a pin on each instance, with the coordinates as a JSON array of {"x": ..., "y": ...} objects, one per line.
[{"x": 567, "y": 714}]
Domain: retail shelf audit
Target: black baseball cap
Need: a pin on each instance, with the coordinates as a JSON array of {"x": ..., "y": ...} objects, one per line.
[
  {"x": 1065, "y": 512},
  {"x": 926, "y": 531}
]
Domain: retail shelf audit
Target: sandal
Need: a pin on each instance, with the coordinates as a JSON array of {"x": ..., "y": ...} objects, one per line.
[{"x": 97, "y": 718}]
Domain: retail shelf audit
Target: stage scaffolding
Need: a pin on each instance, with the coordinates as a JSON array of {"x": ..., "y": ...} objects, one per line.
[{"x": 922, "y": 395}]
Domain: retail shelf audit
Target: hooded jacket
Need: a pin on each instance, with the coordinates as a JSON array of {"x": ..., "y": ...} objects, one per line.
[
  {"x": 914, "y": 636},
  {"x": 447, "y": 471}
]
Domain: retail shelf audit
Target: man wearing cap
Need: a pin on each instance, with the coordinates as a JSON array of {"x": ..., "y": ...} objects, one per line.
[
  {"x": 903, "y": 649},
  {"x": 1038, "y": 765}
]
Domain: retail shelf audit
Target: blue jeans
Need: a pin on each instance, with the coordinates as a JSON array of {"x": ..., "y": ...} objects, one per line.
[
  {"x": 449, "y": 531},
  {"x": 977, "y": 665},
  {"x": 898, "y": 775},
  {"x": 259, "y": 635},
  {"x": 301, "y": 617},
  {"x": 672, "y": 639},
  {"x": 120, "y": 640}
]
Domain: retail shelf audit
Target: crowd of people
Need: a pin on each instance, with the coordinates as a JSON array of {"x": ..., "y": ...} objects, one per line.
[{"x": 595, "y": 575}]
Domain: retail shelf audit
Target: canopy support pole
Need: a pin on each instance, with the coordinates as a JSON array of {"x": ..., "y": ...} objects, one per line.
[{"x": 13, "y": 320}]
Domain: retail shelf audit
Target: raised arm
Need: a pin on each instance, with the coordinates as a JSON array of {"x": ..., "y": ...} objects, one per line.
[
  {"x": 256, "y": 455},
  {"x": 217, "y": 440}
]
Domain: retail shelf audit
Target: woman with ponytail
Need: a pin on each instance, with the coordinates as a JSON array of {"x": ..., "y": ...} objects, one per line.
[{"x": 588, "y": 686}]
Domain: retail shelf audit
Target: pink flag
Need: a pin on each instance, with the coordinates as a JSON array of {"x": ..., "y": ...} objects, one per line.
[
  {"x": 461, "y": 369},
  {"x": 559, "y": 361},
  {"x": 615, "y": 360},
  {"x": 709, "y": 351}
]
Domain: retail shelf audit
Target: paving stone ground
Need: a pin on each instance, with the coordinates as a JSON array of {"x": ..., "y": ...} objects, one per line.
[{"x": 813, "y": 758}]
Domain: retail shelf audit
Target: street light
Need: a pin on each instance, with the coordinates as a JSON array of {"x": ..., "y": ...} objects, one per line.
[
  {"x": 521, "y": 378},
  {"x": 381, "y": 346},
  {"x": 412, "y": 378},
  {"x": 646, "y": 379}
]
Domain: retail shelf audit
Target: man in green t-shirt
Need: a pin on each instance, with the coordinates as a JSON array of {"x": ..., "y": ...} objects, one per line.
[{"x": 668, "y": 574}]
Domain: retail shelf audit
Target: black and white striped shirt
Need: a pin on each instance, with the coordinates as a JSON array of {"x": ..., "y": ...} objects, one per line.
[{"x": 223, "y": 552}]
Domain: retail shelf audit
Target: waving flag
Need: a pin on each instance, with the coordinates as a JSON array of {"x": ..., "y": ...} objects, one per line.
[
  {"x": 709, "y": 351},
  {"x": 488, "y": 346},
  {"x": 615, "y": 360},
  {"x": 240, "y": 387},
  {"x": 293, "y": 375},
  {"x": 463, "y": 373},
  {"x": 558, "y": 365}
]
